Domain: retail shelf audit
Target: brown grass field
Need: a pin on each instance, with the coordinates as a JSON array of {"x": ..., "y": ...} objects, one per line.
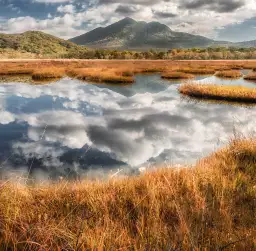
[
  {"x": 210, "y": 206},
  {"x": 229, "y": 74},
  {"x": 219, "y": 92},
  {"x": 115, "y": 71}
]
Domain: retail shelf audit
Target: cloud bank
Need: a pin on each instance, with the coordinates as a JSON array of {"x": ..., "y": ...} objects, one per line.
[{"x": 68, "y": 18}]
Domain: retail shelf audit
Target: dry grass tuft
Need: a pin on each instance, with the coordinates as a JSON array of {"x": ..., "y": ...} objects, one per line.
[
  {"x": 48, "y": 73},
  {"x": 229, "y": 74},
  {"x": 177, "y": 75},
  {"x": 249, "y": 65},
  {"x": 16, "y": 70},
  {"x": 198, "y": 71},
  {"x": 251, "y": 76},
  {"x": 219, "y": 92},
  {"x": 101, "y": 75},
  {"x": 208, "y": 207}
]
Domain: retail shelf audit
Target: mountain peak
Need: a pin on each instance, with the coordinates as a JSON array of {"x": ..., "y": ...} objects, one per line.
[
  {"x": 127, "y": 20},
  {"x": 130, "y": 34}
]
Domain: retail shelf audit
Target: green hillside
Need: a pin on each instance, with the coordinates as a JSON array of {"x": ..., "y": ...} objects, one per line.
[{"x": 37, "y": 42}]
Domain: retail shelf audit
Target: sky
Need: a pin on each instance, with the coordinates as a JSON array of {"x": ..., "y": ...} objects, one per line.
[{"x": 232, "y": 20}]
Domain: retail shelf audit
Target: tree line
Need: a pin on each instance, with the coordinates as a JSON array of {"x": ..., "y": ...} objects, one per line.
[{"x": 210, "y": 53}]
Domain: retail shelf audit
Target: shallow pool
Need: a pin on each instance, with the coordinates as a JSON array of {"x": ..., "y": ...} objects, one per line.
[{"x": 75, "y": 129}]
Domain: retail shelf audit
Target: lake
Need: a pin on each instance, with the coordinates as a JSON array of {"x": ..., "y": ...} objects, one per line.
[{"x": 72, "y": 129}]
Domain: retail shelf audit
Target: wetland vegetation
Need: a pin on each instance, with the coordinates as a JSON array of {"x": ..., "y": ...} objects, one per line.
[
  {"x": 219, "y": 92},
  {"x": 79, "y": 129},
  {"x": 229, "y": 74},
  {"x": 210, "y": 206}
]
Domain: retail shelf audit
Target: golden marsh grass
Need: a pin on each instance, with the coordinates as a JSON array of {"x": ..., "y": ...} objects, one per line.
[
  {"x": 251, "y": 76},
  {"x": 100, "y": 75},
  {"x": 219, "y": 92},
  {"x": 120, "y": 71},
  {"x": 198, "y": 71},
  {"x": 177, "y": 75},
  {"x": 206, "y": 207},
  {"x": 229, "y": 74},
  {"x": 22, "y": 70},
  {"x": 48, "y": 73}
]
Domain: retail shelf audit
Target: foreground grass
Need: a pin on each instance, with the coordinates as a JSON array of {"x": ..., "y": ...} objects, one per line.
[
  {"x": 208, "y": 207},
  {"x": 219, "y": 92}
]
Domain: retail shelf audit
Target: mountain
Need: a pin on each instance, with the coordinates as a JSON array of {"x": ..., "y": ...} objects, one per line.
[
  {"x": 246, "y": 44},
  {"x": 125, "y": 34},
  {"x": 36, "y": 42},
  {"x": 130, "y": 34}
]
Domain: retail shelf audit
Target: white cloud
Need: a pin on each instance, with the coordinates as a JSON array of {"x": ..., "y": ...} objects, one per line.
[
  {"x": 65, "y": 26},
  {"x": 6, "y": 117},
  {"x": 70, "y": 133},
  {"x": 71, "y": 23},
  {"x": 66, "y": 8}
]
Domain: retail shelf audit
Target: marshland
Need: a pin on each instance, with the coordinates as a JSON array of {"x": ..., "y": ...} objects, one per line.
[{"x": 94, "y": 154}]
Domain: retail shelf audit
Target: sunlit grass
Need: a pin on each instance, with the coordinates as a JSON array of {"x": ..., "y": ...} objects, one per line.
[
  {"x": 100, "y": 75},
  {"x": 251, "y": 76},
  {"x": 209, "y": 206},
  {"x": 177, "y": 75},
  {"x": 249, "y": 65},
  {"x": 16, "y": 70},
  {"x": 48, "y": 73},
  {"x": 222, "y": 68},
  {"x": 198, "y": 71},
  {"x": 219, "y": 92},
  {"x": 229, "y": 74},
  {"x": 116, "y": 71}
]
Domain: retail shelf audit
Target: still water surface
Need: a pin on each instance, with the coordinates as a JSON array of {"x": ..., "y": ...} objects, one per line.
[{"x": 75, "y": 129}]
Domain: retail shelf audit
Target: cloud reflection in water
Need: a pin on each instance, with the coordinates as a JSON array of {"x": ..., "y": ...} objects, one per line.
[{"x": 98, "y": 127}]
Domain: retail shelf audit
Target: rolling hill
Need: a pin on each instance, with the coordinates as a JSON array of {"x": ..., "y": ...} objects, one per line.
[{"x": 36, "y": 42}]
